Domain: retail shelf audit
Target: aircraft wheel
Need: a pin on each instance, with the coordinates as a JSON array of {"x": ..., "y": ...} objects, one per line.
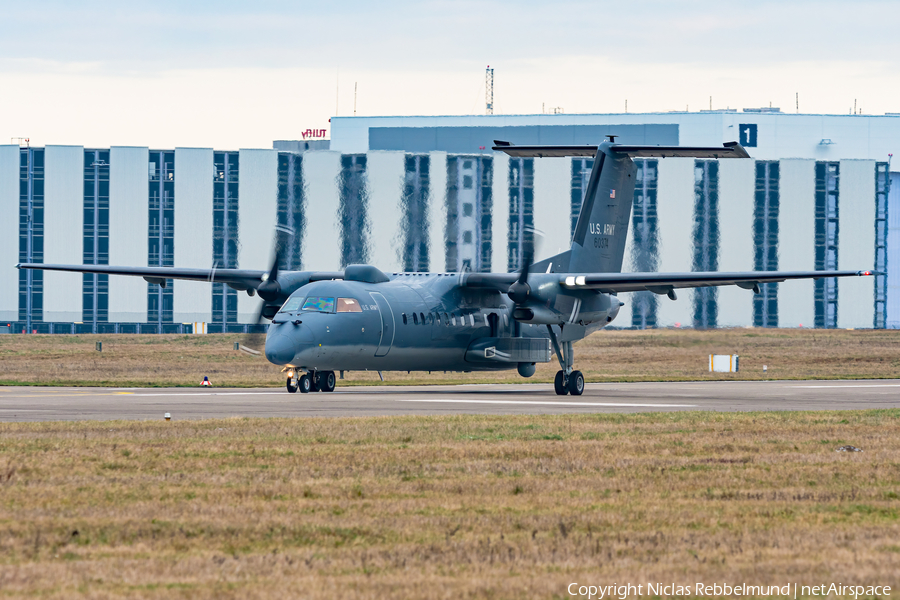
[
  {"x": 305, "y": 384},
  {"x": 327, "y": 381},
  {"x": 291, "y": 388},
  {"x": 314, "y": 381},
  {"x": 576, "y": 383},
  {"x": 559, "y": 384}
]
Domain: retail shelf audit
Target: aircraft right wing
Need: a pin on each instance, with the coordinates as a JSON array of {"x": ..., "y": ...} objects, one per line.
[{"x": 239, "y": 279}]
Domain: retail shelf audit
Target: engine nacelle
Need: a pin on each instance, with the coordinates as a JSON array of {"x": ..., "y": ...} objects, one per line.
[{"x": 537, "y": 315}]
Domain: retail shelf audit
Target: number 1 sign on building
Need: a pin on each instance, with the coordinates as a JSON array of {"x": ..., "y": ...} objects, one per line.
[{"x": 748, "y": 135}]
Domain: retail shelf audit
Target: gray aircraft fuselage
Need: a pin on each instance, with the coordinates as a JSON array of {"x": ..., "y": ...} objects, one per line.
[{"x": 422, "y": 322}]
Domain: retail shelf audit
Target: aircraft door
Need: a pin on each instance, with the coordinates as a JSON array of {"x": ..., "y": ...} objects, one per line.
[
  {"x": 387, "y": 324},
  {"x": 493, "y": 320}
]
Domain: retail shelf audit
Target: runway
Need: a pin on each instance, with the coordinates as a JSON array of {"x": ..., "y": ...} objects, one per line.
[{"x": 69, "y": 404}]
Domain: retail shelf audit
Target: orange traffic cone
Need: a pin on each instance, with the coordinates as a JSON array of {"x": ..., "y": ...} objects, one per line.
[{"x": 206, "y": 381}]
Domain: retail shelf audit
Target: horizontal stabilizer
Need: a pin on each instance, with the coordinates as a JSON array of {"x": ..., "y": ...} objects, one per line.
[
  {"x": 544, "y": 151},
  {"x": 727, "y": 150}
]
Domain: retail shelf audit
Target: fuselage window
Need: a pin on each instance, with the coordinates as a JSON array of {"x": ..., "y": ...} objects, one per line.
[
  {"x": 462, "y": 320},
  {"x": 472, "y": 320},
  {"x": 415, "y": 319},
  {"x": 319, "y": 304},
  {"x": 348, "y": 305},
  {"x": 292, "y": 304},
  {"x": 422, "y": 317},
  {"x": 453, "y": 318},
  {"x": 446, "y": 319},
  {"x": 437, "y": 318},
  {"x": 404, "y": 318},
  {"x": 431, "y": 318}
]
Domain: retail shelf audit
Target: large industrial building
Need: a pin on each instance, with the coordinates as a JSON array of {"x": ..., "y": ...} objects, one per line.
[{"x": 428, "y": 194}]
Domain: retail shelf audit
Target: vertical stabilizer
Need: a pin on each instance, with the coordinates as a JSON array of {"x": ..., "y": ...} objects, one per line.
[{"x": 598, "y": 245}]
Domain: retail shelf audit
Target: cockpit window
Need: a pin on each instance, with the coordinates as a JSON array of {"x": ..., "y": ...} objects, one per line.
[
  {"x": 319, "y": 304},
  {"x": 348, "y": 305},
  {"x": 293, "y": 304}
]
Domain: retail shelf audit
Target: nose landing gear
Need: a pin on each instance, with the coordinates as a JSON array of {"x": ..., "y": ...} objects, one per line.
[{"x": 314, "y": 381}]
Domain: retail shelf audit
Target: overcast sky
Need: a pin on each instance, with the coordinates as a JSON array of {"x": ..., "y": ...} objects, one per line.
[{"x": 234, "y": 75}]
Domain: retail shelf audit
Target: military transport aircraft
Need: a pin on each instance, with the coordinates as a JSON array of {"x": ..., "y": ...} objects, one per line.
[{"x": 363, "y": 319}]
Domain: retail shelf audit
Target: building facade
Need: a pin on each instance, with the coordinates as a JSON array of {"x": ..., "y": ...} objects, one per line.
[{"x": 428, "y": 194}]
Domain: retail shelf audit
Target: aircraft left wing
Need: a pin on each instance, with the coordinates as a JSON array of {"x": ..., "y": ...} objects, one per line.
[{"x": 662, "y": 283}]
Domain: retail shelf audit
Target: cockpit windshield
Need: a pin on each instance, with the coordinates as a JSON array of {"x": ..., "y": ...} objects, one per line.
[
  {"x": 319, "y": 304},
  {"x": 292, "y": 305},
  {"x": 322, "y": 304}
]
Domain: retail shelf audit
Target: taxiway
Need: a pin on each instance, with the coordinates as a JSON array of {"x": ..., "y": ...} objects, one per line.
[{"x": 69, "y": 404}]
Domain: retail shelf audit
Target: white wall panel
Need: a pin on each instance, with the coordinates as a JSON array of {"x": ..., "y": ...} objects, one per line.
[
  {"x": 623, "y": 319},
  {"x": 322, "y": 242},
  {"x": 856, "y": 242},
  {"x": 499, "y": 213},
  {"x": 552, "y": 200},
  {"x": 892, "y": 318},
  {"x": 9, "y": 233},
  {"x": 128, "y": 222},
  {"x": 257, "y": 218},
  {"x": 737, "y": 181},
  {"x": 63, "y": 230},
  {"x": 675, "y": 210},
  {"x": 385, "y": 172},
  {"x": 796, "y": 240},
  {"x": 192, "y": 300},
  {"x": 437, "y": 215}
]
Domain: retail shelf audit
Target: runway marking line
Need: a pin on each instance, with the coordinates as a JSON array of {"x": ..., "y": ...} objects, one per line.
[
  {"x": 877, "y": 385},
  {"x": 548, "y": 403},
  {"x": 209, "y": 394}
]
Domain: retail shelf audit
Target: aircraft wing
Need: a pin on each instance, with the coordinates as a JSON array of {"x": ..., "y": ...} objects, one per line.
[
  {"x": 662, "y": 283},
  {"x": 726, "y": 150},
  {"x": 239, "y": 279}
]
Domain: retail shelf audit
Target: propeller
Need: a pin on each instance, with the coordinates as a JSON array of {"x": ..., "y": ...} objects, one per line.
[
  {"x": 520, "y": 291},
  {"x": 269, "y": 290}
]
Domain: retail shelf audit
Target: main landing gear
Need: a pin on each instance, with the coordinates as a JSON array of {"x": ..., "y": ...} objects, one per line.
[
  {"x": 567, "y": 381},
  {"x": 314, "y": 381}
]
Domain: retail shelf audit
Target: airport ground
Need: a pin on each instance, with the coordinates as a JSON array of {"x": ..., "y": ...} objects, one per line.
[
  {"x": 614, "y": 355},
  {"x": 454, "y": 506},
  {"x": 740, "y": 482}
]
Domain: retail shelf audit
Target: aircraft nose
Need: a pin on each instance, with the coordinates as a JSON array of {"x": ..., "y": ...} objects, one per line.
[{"x": 280, "y": 349}]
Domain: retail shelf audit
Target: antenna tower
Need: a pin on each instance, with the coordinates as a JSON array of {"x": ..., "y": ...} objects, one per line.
[{"x": 489, "y": 91}]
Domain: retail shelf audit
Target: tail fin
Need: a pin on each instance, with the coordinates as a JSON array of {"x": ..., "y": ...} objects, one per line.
[{"x": 598, "y": 245}]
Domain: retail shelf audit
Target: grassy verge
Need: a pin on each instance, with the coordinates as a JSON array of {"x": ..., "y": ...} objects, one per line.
[
  {"x": 653, "y": 355},
  {"x": 446, "y": 507}
]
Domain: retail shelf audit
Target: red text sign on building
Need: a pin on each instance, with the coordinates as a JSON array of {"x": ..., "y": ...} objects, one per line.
[{"x": 313, "y": 133}]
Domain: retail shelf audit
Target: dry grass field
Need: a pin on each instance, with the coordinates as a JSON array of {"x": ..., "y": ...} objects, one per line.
[
  {"x": 446, "y": 507},
  {"x": 183, "y": 360}
]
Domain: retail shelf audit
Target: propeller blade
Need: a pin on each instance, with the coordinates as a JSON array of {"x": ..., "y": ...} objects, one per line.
[
  {"x": 520, "y": 290},
  {"x": 269, "y": 290}
]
